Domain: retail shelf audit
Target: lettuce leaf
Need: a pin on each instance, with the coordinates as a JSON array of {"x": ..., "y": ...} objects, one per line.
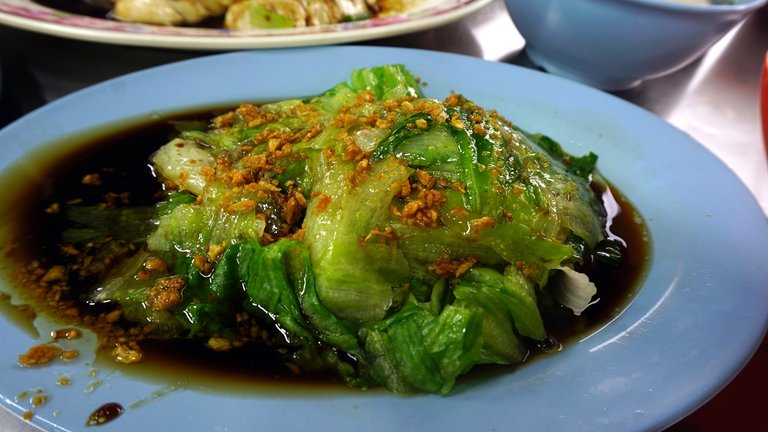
[{"x": 391, "y": 238}]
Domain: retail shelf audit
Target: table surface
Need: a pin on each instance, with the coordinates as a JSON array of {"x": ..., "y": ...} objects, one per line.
[{"x": 715, "y": 100}]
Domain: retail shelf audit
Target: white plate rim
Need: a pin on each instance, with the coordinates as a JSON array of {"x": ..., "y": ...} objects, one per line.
[{"x": 27, "y": 15}]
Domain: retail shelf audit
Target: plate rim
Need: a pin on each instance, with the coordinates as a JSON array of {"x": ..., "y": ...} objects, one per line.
[{"x": 220, "y": 39}]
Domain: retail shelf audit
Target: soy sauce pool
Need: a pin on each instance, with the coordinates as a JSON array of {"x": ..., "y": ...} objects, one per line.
[{"x": 119, "y": 160}]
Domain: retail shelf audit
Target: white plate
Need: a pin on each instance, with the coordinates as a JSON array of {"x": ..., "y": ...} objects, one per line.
[
  {"x": 697, "y": 319},
  {"x": 28, "y": 15}
]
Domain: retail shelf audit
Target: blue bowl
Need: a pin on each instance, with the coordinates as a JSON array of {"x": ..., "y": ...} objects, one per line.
[{"x": 616, "y": 44}]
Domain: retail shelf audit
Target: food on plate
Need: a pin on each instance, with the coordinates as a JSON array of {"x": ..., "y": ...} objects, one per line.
[
  {"x": 253, "y": 14},
  {"x": 392, "y": 239}
]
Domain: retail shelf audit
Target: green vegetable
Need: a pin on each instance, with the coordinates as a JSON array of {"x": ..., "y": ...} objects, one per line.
[
  {"x": 262, "y": 17},
  {"x": 394, "y": 239}
]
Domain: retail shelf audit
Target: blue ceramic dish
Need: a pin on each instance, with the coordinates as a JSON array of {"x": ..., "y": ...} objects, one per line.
[{"x": 698, "y": 317}]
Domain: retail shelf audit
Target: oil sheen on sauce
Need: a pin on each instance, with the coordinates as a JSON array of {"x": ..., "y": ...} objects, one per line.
[{"x": 105, "y": 414}]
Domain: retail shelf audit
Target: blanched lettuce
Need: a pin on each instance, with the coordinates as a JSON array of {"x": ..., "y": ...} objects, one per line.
[{"x": 394, "y": 239}]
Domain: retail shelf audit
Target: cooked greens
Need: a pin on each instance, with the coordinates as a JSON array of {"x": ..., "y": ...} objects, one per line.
[{"x": 394, "y": 239}]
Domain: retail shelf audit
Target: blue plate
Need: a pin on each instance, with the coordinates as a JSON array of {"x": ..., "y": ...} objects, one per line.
[{"x": 700, "y": 314}]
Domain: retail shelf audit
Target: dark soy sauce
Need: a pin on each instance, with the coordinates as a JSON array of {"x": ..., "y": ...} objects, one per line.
[
  {"x": 105, "y": 414},
  {"x": 121, "y": 160}
]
